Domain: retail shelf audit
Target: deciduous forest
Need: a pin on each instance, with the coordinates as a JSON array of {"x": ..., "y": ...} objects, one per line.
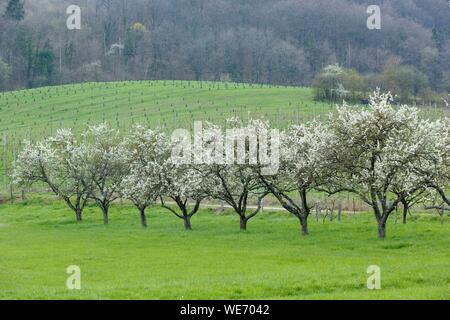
[{"x": 253, "y": 41}]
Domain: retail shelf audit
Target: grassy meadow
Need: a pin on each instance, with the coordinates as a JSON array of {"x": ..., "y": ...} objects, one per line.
[{"x": 39, "y": 239}]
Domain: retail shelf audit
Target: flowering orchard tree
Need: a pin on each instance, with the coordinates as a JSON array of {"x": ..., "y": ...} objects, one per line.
[
  {"x": 434, "y": 166},
  {"x": 233, "y": 182},
  {"x": 236, "y": 185},
  {"x": 106, "y": 163},
  {"x": 183, "y": 185},
  {"x": 376, "y": 152},
  {"x": 56, "y": 162},
  {"x": 432, "y": 141},
  {"x": 302, "y": 169},
  {"x": 146, "y": 149}
]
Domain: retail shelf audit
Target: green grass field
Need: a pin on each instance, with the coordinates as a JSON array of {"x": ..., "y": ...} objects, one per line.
[
  {"x": 40, "y": 111},
  {"x": 39, "y": 240}
]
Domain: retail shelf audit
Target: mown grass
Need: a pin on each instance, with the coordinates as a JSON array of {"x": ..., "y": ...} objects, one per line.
[{"x": 39, "y": 240}]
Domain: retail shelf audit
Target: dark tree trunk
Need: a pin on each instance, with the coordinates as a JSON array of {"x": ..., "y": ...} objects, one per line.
[
  {"x": 105, "y": 216},
  {"x": 79, "y": 214},
  {"x": 304, "y": 226},
  {"x": 187, "y": 223},
  {"x": 381, "y": 229},
  {"x": 405, "y": 212},
  {"x": 244, "y": 224},
  {"x": 304, "y": 214},
  {"x": 143, "y": 218}
]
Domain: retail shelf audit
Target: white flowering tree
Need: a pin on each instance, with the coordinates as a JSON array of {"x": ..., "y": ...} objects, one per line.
[
  {"x": 147, "y": 151},
  {"x": 376, "y": 152},
  {"x": 183, "y": 185},
  {"x": 236, "y": 185},
  {"x": 236, "y": 182},
  {"x": 106, "y": 163},
  {"x": 56, "y": 163},
  {"x": 434, "y": 166},
  {"x": 302, "y": 169}
]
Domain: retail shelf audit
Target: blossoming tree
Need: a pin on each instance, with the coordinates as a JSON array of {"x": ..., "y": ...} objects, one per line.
[
  {"x": 183, "y": 185},
  {"x": 236, "y": 182},
  {"x": 375, "y": 154},
  {"x": 106, "y": 164},
  {"x": 143, "y": 185},
  {"x": 56, "y": 162},
  {"x": 302, "y": 169}
]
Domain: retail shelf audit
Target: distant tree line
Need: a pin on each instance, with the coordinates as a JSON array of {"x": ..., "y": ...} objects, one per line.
[
  {"x": 407, "y": 84},
  {"x": 388, "y": 157},
  {"x": 259, "y": 41}
]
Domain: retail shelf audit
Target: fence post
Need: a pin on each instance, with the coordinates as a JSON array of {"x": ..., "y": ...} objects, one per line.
[
  {"x": 340, "y": 212},
  {"x": 11, "y": 192}
]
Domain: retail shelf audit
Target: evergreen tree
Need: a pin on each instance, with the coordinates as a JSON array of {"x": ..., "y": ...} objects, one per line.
[{"x": 15, "y": 10}]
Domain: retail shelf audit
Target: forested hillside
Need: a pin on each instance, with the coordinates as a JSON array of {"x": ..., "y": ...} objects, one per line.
[{"x": 256, "y": 41}]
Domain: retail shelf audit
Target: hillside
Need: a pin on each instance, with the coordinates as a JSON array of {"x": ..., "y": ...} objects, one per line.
[
  {"x": 278, "y": 42},
  {"x": 38, "y": 112}
]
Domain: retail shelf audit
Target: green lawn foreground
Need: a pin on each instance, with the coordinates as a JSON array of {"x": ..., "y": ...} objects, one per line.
[{"x": 39, "y": 239}]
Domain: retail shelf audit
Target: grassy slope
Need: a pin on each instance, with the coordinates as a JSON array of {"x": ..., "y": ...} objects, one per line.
[
  {"x": 270, "y": 261},
  {"x": 37, "y": 113},
  {"x": 157, "y": 102}
]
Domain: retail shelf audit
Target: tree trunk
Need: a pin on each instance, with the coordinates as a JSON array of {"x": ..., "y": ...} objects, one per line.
[
  {"x": 304, "y": 226},
  {"x": 405, "y": 213},
  {"x": 244, "y": 224},
  {"x": 143, "y": 218},
  {"x": 304, "y": 214},
  {"x": 79, "y": 215},
  {"x": 187, "y": 223},
  {"x": 105, "y": 216},
  {"x": 381, "y": 229}
]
